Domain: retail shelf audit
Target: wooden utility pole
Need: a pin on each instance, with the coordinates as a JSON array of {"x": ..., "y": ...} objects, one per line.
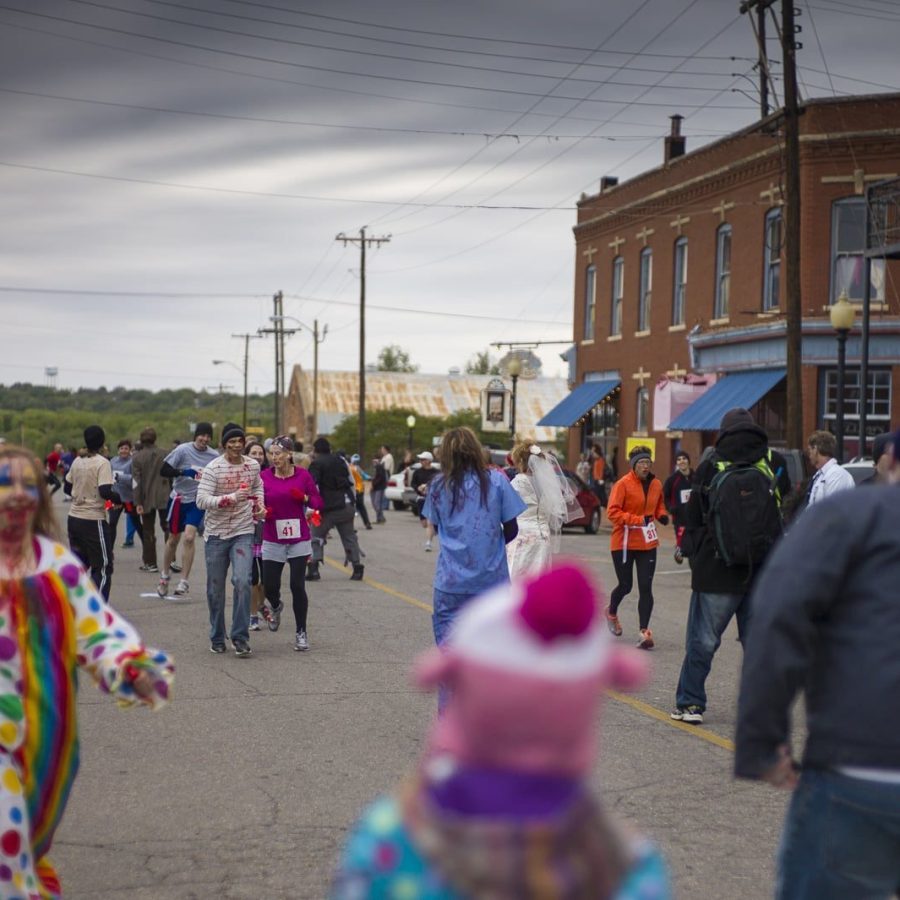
[
  {"x": 791, "y": 249},
  {"x": 279, "y": 331},
  {"x": 246, "y": 339},
  {"x": 362, "y": 240}
]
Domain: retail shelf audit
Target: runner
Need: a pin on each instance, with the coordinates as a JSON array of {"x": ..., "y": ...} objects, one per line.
[
  {"x": 185, "y": 464},
  {"x": 419, "y": 482},
  {"x": 53, "y": 619},
  {"x": 636, "y": 500},
  {"x": 255, "y": 450},
  {"x": 676, "y": 493},
  {"x": 289, "y": 492},
  {"x": 123, "y": 478}
]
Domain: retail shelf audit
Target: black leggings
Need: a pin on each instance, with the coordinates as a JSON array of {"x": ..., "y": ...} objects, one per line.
[
  {"x": 645, "y": 561},
  {"x": 272, "y": 584}
]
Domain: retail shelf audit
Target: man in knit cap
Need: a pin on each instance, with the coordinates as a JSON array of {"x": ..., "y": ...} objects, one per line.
[
  {"x": 501, "y": 806},
  {"x": 720, "y": 588},
  {"x": 89, "y": 482}
]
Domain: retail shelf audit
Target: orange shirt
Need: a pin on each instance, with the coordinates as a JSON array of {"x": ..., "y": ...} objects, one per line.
[
  {"x": 628, "y": 505},
  {"x": 599, "y": 470}
]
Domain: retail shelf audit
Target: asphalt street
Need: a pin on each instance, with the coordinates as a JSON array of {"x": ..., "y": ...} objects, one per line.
[{"x": 246, "y": 784}]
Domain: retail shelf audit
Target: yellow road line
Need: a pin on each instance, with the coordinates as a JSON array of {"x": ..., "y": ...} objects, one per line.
[{"x": 661, "y": 716}]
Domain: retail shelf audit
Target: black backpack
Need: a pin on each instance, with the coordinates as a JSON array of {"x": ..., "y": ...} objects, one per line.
[{"x": 744, "y": 511}]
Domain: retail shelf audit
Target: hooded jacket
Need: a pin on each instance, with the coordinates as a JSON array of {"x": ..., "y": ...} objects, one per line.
[{"x": 742, "y": 443}]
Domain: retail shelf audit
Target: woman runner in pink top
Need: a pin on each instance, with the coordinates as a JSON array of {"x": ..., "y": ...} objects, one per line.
[{"x": 289, "y": 491}]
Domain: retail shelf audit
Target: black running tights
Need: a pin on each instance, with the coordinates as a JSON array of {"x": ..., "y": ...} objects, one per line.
[
  {"x": 645, "y": 563},
  {"x": 272, "y": 584}
]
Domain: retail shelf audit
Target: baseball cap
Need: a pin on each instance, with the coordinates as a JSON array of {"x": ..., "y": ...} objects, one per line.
[{"x": 425, "y": 454}]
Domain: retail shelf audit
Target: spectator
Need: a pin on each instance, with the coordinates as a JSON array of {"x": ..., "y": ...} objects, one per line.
[
  {"x": 151, "y": 495},
  {"x": 379, "y": 485},
  {"x": 826, "y": 622},
  {"x": 676, "y": 493},
  {"x": 830, "y": 477}
]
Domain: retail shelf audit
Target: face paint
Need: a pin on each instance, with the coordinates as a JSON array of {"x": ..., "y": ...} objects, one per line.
[{"x": 18, "y": 499}]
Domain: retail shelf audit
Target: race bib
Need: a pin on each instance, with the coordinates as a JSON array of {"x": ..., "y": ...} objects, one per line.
[
  {"x": 649, "y": 532},
  {"x": 685, "y": 495},
  {"x": 287, "y": 529}
]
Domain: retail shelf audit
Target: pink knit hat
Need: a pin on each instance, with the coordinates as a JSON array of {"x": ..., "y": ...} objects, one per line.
[{"x": 527, "y": 664}]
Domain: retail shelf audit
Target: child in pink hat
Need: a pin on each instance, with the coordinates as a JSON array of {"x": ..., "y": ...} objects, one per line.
[{"x": 500, "y": 807}]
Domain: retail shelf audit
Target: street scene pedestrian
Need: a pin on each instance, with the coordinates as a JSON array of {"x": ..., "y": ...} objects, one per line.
[
  {"x": 123, "y": 482},
  {"x": 635, "y": 505},
  {"x": 419, "y": 481},
  {"x": 151, "y": 496},
  {"x": 230, "y": 492},
  {"x": 829, "y": 478},
  {"x": 376, "y": 494},
  {"x": 826, "y": 622},
  {"x": 676, "y": 493}
]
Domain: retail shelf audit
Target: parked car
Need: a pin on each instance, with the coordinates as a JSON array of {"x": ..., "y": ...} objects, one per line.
[
  {"x": 394, "y": 491},
  {"x": 592, "y": 514},
  {"x": 861, "y": 469},
  {"x": 409, "y": 495}
]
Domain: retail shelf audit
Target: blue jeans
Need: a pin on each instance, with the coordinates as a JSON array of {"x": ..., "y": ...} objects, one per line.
[
  {"x": 237, "y": 552},
  {"x": 708, "y": 617},
  {"x": 841, "y": 839}
]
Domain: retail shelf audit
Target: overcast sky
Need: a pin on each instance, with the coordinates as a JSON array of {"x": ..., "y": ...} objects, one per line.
[{"x": 175, "y": 163}]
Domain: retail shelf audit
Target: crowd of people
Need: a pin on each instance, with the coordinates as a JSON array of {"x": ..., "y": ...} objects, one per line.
[{"x": 523, "y": 645}]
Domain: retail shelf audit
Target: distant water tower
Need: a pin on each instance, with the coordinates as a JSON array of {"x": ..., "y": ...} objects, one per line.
[{"x": 50, "y": 373}]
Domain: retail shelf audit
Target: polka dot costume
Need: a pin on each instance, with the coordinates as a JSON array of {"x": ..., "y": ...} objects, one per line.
[{"x": 51, "y": 623}]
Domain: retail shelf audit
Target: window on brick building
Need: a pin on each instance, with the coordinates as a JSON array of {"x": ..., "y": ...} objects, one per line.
[
  {"x": 848, "y": 241},
  {"x": 618, "y": 282},
  {"x": 590, "y": 301},
  {"x": 679, "y": 282},
  {"x": 645, "y": 290},
  {"x": 772, "y": 259},
  {"x": 642, "y": 415},
  {"x": 723, "y": 271}
]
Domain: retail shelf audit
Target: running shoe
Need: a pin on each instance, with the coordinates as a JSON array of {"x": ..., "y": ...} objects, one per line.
[
  {"x": 428, "y": 546},
  {"x": 127, "y": 544},
  {"x": 241, "y": 648},
  {"x": 312, "y": 572},
  {"x": 150, "y": 568},
  {"x": 301, "y": 642},
  {"x": 254, "y": 623},
  {"x": 182, "y": 588},
  {"x": 265, "y": 611},
  {"x": 163, "y": 587},
  {"x": 693, "y": 715},
  {"x": 275, "y": 621},
  {"x": 175, "y": 567},
  {"x": 612, "y": 623},
  {"x": 216, "y": 648},
  {"x": 679, "y": 556},
  {"x": 646, "y": 641}
]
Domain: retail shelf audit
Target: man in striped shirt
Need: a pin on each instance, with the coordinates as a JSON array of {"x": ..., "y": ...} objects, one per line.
[{"x": 231, "y": 493}]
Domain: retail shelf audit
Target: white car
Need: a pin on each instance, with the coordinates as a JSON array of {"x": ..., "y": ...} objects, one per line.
[{"x": 398, "y": 492}]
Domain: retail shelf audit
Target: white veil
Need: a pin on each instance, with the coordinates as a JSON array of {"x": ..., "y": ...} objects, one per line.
[{"x": 556, "y": 499}]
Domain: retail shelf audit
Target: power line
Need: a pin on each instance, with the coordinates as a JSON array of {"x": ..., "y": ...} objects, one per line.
[{"x": 326, "y": 69}]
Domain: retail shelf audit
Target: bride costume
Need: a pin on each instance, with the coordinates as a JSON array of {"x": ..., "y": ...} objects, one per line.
[{"x": 551, "y": 503}]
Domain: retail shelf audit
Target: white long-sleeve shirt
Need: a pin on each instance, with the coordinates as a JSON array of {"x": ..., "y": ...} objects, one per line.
[
  {"x": 221, "y": 479},
  {"x": 832, "y": 478}
]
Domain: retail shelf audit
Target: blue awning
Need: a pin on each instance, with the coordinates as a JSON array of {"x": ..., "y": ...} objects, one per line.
[
  {"x": 583, "y": 399},
  {"x": 743, "y": 389}
]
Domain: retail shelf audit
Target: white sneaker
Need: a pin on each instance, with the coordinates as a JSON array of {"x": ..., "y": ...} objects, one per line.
[
  {"x": 182, "y": 588},
  {"x": 163, "y": 587},
  {"x": 301, "y": 642},
  {"x": 428, "y": 546}
]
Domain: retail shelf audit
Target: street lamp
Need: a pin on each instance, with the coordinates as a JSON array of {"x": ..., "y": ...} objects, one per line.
[
  {"x": 410, "y": 424},
  {"x": 316, "y": 341},
  {"x": 842, "y": 315},
  {"x": 514, "y": 367}
]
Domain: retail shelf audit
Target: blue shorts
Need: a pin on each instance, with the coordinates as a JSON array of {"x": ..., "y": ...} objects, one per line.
[{"x": 181, "y": 513}]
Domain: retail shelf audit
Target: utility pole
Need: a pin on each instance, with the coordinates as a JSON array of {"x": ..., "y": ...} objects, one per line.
[
  {"x": 247, "y": 338},
  {"x": 791, "y": 251},
  {"x": 362, "y": 240},
  {"x": 279, "y": 331},
  {"x": 763, "y": 62}
]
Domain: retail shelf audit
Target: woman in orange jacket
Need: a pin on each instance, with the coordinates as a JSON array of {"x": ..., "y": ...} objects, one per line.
[{"x": 636, "y": 500}]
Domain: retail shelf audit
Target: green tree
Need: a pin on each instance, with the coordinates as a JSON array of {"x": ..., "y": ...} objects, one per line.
[
  {"x": 387, "y": 426},
  {"x": 394, "y": 358},
  {"x": 481, "y": 364}
]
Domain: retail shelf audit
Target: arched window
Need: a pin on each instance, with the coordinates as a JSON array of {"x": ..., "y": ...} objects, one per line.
[
  {"x": 679, "y": 281},
  {"x": 772, "y": 259},
  {"x": 723, "y": 272},
  {"x": 645, "y": 289},
  {"x": 590, "y": 301},
  {"x": 642, "y": 416},
  {"x": 618, "y": 283}
]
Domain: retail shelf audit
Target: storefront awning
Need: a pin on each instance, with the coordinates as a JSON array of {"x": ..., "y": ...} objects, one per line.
[
  {"x": 743, "y": 389},
  {"x": 583, "y": 399}
]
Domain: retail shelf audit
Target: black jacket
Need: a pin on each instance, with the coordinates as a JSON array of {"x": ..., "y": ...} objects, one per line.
[
  {"x": 826, "y": 619},
  {"x": 674, "y": 485},
  {"x": 334, "y": 480},
  {"x": 742, "y": 444},
  {"x": 379, "y": 477}
]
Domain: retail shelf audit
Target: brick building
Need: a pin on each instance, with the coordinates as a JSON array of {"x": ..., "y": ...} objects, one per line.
[{"x": 679, "y": 303}]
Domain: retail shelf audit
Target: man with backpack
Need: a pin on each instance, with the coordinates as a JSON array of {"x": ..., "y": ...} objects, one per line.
[{"x": 732, "y": 520}]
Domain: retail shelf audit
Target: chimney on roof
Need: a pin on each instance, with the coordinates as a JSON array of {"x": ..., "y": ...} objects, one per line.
[
  {"x": 674, "y": 146},
  {"x": 607, "y": 182}
]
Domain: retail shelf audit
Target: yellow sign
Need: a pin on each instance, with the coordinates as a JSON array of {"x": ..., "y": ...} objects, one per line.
[
  {"x": 633, "y": 442},
  {"x": 258, "y": 430}
]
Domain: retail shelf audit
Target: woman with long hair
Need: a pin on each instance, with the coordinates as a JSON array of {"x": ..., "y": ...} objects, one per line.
[
  {"x": 550, "y": 503},
  {"x": 289, "y": 492},
  {"x": 635, "y": 505},
  {"x": 474, "y": 510},
  {"x": 53, "y": 620},
  {"x": 255, "y": 450}
]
